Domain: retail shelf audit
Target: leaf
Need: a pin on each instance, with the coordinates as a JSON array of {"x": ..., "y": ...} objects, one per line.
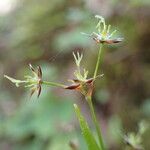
[{"x": 86, "y": 132}]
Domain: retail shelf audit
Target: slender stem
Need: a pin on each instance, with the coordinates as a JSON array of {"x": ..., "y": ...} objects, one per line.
[
  {"x": 98, "y": 61},
  {"x": 97, "y": 126},
  {"x": 53, "y": 84}
]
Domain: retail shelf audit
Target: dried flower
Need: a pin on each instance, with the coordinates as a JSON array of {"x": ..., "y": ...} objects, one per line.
[
  {"x": 33, "y": 82},
  {"x": 103, "y": 35}
]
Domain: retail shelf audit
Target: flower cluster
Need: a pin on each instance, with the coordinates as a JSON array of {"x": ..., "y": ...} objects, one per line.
[
  {"x": 103, "y": 34},
  {"x": 81, "y": 83},
  {"x": 33, "y": 82}
]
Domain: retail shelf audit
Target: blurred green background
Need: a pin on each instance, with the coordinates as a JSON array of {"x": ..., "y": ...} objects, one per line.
[{"x": 45, "y": 33}]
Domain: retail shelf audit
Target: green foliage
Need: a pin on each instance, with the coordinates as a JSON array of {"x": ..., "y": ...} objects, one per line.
[
  {"x": 37, "y": 123},
  {"x": 87, "y": 134}
]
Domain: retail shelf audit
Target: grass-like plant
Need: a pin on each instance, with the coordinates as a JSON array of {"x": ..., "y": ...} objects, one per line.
[{"x": 80, "y": 83}]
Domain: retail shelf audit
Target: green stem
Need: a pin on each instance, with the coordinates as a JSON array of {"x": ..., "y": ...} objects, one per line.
[
  {"x": 98, "y": 61},
  {"x": 97, "y": 126},
  {"x": 53, "y": 84}
]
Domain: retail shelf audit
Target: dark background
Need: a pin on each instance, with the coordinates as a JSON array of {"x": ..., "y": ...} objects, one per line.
[{"x": 45, "y": 33}]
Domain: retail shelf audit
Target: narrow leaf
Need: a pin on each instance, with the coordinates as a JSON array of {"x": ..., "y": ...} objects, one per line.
[{"x": 87, "y": 134}]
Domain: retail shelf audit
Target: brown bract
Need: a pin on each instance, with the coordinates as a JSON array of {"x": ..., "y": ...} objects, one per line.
[
  {"x": 84, "y": 87},
  {"x": 109, "y": 41}
]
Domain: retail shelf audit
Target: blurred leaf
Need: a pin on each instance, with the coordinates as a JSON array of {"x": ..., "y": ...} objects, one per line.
[
  {"x": 146, "y": 107},
  {"x": 102, "y": 96},
  {"x": 115, "y": 128},
  {"x": 71, "y": 39},
  {"x": 61, "y": 140},
  {"x": 39, "y": 117}
]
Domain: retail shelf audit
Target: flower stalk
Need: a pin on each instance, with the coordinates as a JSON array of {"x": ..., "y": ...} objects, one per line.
[
  {"x": 96, "y": 123},
  {"x": 90, "y": 103},
  {"x": 53, "y": 84},
  {"x": 98, "y": 61}
]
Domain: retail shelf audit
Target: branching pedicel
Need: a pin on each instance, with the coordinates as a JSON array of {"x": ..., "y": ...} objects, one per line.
[{"x": 81, "y": 83}]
